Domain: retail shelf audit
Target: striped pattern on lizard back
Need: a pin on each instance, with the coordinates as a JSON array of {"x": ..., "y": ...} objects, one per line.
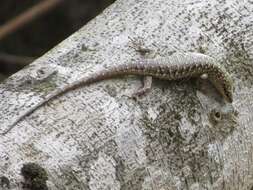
[{"x": 174, "y": 67}]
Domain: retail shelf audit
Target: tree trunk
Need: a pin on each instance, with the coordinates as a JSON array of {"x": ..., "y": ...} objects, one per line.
[{"x": 181, "y": 135}]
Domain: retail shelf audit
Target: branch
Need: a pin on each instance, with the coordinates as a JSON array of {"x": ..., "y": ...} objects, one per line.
[{"x": 28, "y": 16}]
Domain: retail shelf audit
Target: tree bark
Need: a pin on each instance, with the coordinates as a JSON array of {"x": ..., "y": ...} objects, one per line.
[{"x": 181, "y": 135}]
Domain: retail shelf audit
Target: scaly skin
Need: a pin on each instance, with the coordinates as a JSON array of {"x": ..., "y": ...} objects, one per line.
[{"x": 177, "y": 66}]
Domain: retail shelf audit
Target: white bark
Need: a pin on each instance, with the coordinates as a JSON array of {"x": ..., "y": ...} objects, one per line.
[{"x": 96, "y": 137}]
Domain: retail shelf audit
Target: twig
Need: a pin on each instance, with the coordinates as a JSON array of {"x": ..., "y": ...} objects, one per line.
[
  {"x": 13, "y": 59},
  {"x": 26, "y": 17}
]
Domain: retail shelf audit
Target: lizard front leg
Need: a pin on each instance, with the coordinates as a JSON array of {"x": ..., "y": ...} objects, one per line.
[{"x": 147, "y": 83}]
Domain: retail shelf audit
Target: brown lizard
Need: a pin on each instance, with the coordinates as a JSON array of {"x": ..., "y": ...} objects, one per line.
[{"x": 174, "y": 67}]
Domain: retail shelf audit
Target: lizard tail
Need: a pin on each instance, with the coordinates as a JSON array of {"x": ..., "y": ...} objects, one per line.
[{"x": 93, "y": 77}]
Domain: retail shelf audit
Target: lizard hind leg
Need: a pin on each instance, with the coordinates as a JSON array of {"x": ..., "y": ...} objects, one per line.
[{"x": 147, "y": 83}]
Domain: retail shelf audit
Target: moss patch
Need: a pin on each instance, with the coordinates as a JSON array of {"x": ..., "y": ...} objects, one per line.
[
  {"x": 4, "y": 182},
  {"x": 35, "y": 176}
]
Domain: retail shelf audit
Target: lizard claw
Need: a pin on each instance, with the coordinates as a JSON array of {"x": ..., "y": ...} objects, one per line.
[{"x": 141, "y": 92}]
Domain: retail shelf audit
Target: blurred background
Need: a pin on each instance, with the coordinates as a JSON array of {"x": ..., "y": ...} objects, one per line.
[{"x": 29, "y": 28}]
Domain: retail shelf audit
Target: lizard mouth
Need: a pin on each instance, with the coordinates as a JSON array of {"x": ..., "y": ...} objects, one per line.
[
  {"x": 229, "y": 99},
  {"x": 228, "y": 96}
]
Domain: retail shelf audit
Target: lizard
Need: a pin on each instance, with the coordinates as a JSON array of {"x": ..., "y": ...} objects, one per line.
[{"x": 175, "y": 67}]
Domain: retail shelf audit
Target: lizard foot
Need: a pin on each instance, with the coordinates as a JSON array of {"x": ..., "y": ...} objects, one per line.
[
  {"x": 141, "y": 92},
  {"x": 139, "y": 46}
]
